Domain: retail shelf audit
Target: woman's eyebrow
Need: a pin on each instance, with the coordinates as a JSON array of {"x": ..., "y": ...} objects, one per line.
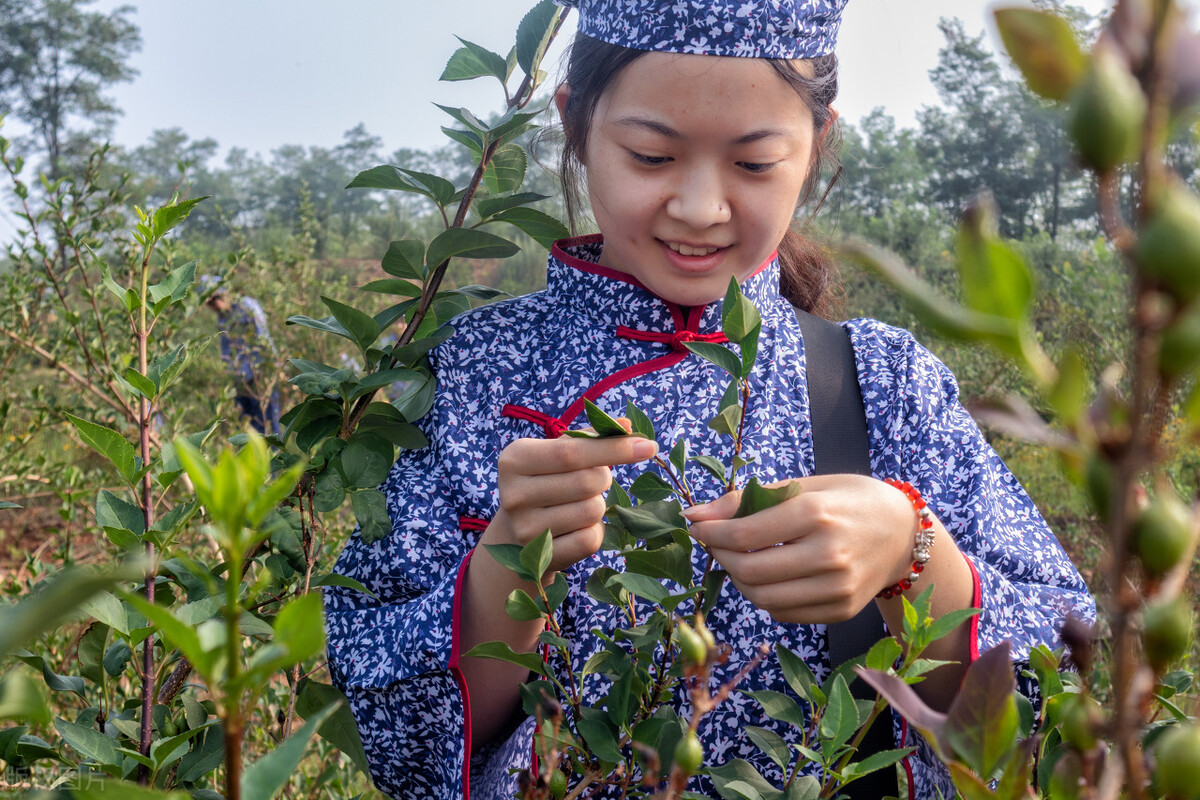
[{"x": 666, "y": 130}]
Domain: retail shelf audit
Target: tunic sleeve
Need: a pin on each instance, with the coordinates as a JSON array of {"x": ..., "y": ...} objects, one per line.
[
  {"x": 395, "y": 656},
  {"x": 1025, "y": 584}
]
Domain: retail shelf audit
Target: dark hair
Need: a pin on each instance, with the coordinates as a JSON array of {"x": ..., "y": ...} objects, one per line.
[{"x": 808, "y": 275}]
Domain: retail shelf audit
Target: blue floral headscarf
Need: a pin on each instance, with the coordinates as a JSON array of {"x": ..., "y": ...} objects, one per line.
[{"x": 746, "y": 28}]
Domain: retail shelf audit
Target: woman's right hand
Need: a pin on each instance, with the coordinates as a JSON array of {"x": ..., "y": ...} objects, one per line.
[{"x": 560, "y": 484}]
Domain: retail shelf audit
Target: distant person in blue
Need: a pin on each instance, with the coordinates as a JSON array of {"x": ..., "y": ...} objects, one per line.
[{"x": 249, "y": 352}]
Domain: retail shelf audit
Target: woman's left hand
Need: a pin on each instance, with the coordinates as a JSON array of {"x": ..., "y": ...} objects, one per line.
[{"x": 818, "y": 557}]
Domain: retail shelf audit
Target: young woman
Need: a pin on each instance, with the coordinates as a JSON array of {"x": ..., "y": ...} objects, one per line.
[{"x": 697, "y": 128}]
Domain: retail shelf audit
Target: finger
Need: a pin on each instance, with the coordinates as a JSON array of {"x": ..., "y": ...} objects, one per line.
[
  {"x": 576, "y": 545},
  {"x": 541, "y": 491},
  {"x": 808, "y": 600},
  {"x": 723, "y": 507},
  {"x": 790, "y": 520},
  {"x": 778, "y": 564},
  {"x": 566, "y": 454},
  {"x": 562, "y": 519}
]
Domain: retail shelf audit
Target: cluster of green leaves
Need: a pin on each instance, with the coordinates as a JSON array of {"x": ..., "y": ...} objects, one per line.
[
  {"x": 142, "y": 715},
  {"x": 348, "y": 437}
]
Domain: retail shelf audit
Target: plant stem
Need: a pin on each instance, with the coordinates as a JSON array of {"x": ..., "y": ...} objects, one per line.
[{"x": 145, "y": 411}]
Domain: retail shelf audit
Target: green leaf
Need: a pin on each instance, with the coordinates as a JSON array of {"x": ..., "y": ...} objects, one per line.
[
  {"x": 949, "y": 621},
  {"x": 640, "y": 585},
  {"x": 181, "y": 636},
  {"x": 55, "y": 599},
  {"x": 472, "y": 61},
  {"x": 109, "y": 444},
  {"x": 405, "y": 258},
  {"x": 740, "y": 772},
  {"x": 489, "y": 207},
  {"x": 22, "y": 698},
  {"x": 723, "y": 357},
  {"x": 643, "y": 523},
  {"x": 128, "y": 297},
  {"x": 393, "y": 286},
  {"x": 333, "y": 579},
  {"x": 439, "y": 190},
  {"x": 339, "y": 729},
  {"x": 88, "y": 742},
  {"x": 502, "y": 652},
  {"x": 509, "y": 557},
  {"x": 772, "y": 744},
  {"x": 366, "y": 460},
  {"x": 874, "y": 763},
  {"x": 370, "y": 511},
  {"x": 738, "y": 315},
  {"x": 598, "y": 586},
  {"x": 756, "y": 497},
  {"x": 1044, "y": 48},
  {"x": 506, "y": 170},
  {"x": 473, "y": 123},
  {"x": 106, "y": 608},
  {"x": 601, "y": 739},
  {"x": 840, "y": 720},
  {"x": 360, "y": 325},
  {"x": 539, "y": 226},
  {"x": 981, "y": 725},
  {"x": 536, "y": 555},
  {"x": 263, "y": 779},
  {"x": 167, "y": 217},
  {"x": 650, "y": 486},
  {"x": 533, "y": 34},
  {"x": 779, "y": 706},
  {"x": 520, "y": 606},
  {"x": 798, "y": 676},
  {"x": 883, "y": 654},
  {"x": 467, "y": 243},
  {"x": 114, "y": 513},
  {"x": 750, "y": 350},
  {"x": 175, "y": 286},
  {"x": 995, "y": 278},
  {"x": 602, "y": 423},
  {"x": 324, "y": 324}
]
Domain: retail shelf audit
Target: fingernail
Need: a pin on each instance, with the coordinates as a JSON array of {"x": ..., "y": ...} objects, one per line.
[
  {"x": 693, "y": 510},
  {"x": 645, "y": 448}
]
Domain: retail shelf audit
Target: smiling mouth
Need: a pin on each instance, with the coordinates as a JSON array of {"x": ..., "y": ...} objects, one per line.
[{"x": 689, "y": 250}]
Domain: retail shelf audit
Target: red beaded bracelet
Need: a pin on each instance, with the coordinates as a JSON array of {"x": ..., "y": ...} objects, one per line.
[{"x": 924, "y": 543}]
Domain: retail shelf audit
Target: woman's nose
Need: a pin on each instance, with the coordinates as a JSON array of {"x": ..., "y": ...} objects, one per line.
[{"x": 699, "y": 200}]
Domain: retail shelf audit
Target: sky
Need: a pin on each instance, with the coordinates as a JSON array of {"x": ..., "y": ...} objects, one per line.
[{"x": 258, "y": 74}]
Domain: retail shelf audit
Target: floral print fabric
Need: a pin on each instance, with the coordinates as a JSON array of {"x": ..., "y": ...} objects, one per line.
[
  {"x": 744, "y": 28},
  {"x": 395, "y": 655}
]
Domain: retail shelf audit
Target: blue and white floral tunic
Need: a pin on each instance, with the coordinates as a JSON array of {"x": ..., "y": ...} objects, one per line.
[{"x": 520, "y": 369}]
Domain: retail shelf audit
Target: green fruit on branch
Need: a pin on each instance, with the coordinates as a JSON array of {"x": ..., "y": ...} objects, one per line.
[
  {"x": 1167, "y": 629},
  {"x": 1180, "y": 349},
  {"x": 691, "y": 644},
  {"x": 1168, "y": 246},
  {"x": 1081, "y": 722},
  {"x": 1178, "y": 769},
  {"x": 1106, "y": 112},
  {"x": 689, "y": 753},
  {"x": 1162, "y": 534}
]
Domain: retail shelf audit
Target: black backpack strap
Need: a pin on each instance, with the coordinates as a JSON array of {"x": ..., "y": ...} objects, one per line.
[{"x": 840, "y": 445}]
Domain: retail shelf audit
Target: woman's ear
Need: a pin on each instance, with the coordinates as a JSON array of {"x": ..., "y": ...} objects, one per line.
[
  {"x": 833, "y": 118},
  {"x": 562, "y": 96}
]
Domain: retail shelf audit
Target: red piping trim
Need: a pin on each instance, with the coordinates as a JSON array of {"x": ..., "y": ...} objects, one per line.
[
  {"x": 552, "y": 427},
  {"x": 455, "y": 628},
  {"x": 906, "y": 762},
  {"x": 976, "y": 602},
  {"x": 559, "y": 251},
  {"x": 662, "y": 362},
  {"x": 474, "y": 524},
  {"x": 676, "y": 340}
]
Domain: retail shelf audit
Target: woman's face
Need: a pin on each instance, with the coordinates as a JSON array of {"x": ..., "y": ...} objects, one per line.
[{"x": 694, "y": 167}]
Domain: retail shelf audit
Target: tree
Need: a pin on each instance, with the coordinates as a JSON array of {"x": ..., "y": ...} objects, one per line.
[{"x": 56, "y": 61}]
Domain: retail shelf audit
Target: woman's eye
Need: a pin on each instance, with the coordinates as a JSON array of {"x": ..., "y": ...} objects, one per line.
[
  {"x": 650, "y": 161},
  {"x": 755, "y": 167}
]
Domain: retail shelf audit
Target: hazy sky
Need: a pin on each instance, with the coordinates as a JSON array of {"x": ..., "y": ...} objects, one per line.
[{"x": 259, "y": 74}]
